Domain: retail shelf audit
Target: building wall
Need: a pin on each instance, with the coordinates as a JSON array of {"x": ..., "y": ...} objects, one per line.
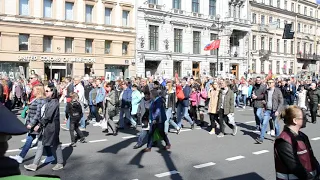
[{"x": 36, "y": 26}]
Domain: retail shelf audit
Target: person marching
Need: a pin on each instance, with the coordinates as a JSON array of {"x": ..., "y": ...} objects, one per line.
[
  {"x": 313, "y": 97},
  {"x": 111, "y": 110},
  {"x": 293, "y": 155},
  {"x": 213, "y": 106}
]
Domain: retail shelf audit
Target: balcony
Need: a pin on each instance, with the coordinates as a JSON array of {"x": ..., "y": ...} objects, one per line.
[
  {"x": 237, "y": 20},
  {"x": 155, "y": 6},
  {"x": 195, "y": 14},
  {"x": 308, "y": 56},
  {"x": 263, "y": 52},
  {"x": 178, "y": 11}
]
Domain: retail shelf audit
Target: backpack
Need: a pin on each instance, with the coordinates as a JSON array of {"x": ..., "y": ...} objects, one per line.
[
  {"x": 75, "y": 110},
  {"x": 179, "y": 93}
]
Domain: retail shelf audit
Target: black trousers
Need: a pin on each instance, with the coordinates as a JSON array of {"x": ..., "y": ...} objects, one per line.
[
  {"x": 313, "y": 112},
  {"x": 74, "y": 126},
  {"x": 193, "y": 113},
  {"x": 213, "y": 119},
  {"x": 223, "y": 117}
]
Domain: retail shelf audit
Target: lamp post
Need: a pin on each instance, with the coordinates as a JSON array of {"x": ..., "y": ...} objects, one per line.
[{"x": 218, "y": 22}]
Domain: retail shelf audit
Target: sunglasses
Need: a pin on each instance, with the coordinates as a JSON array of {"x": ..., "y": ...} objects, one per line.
[
  {"x": 48, "y": 90},
  {"x": 270, "y": 82},
  {"x": 31, "y": 77}
]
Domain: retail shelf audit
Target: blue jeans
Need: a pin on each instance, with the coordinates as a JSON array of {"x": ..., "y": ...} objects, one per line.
[
  {"x": 27, "y": 145},
  {"x": 93, "y": 111},
  {"x": 169, "y": 120},
  {"x": 235, "y": 99},
  {"x": 244, "y": 97},
  {"x": 127, "y": 113},
  {"x": 142, "y": 136},
  {"x": 258, "y": 116},
  {"x": 183, "y": 112},
  {"x": 266, "y": 118}
]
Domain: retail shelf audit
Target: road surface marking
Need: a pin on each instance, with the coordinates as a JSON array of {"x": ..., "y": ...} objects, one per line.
[
  {"x": 128, "y": 137},
  {"x": 198, "y": 128},
  {"x": 241, "y": 110},
  {"x": 13, "y": 150},
  {"x": 204, "y": 165},
  {"x": 249, "y": 122},
  {"x": 166, "y": 174},
  {"x": 184, "y": 130},
  {"x": 260, "y": 152},
  {"x": 315, "y": 139},
  {"x": 235, "y": 158},
  {"x": 66, "y": 144},
  {"x": 101, "y": 140}
]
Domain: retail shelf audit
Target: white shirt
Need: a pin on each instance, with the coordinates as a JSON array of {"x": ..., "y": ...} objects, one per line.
[{"x": 80, "y": 90}]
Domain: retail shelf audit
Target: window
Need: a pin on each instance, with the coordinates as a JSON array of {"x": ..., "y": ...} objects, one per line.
[
  {"x": 278, "y": 23},
  {"x": 69, "y": 45},
  {"x": 299, "y": 27},
  {"x": 107, "y": 47},
  {"x": 176, "y": 4},
  {"x": 270, "y": 44},
  {"x": 299, "y": 9},
  {"x": 311, "y": 12},
  {"x": 292, "y": 7},
  {"x": 153, "y": 37},
  {"x": 107, "y": 16},
  {"x": 125, "y": 18},
  {"x": 271, "y": 2},
  {"x": 285, "y": 46},
  {"x": 270, "y": 65},
  {"x": 89, "y": 45},
  {"x": 47, "y": 44},
  {"x": 196, "y": 42},
  {"x": 212, "y": 7},
  {"x": 291, "y": 68},
  {"x": 254, "y": 65},
  {"x": 69, "y": 11},
  {"x": 221, "y": 66},
  {"x": 278, "y": 46},
  {"x": 285, "y": 22},
  {"x": 298, "y": 47},
  {"x": 311, "y": 29},
  {"x": 229, "y": 10},
  {"x": 195, "y": 6},
  {"x": 24, "y": 7},
  {"x": 285, "y": 5},
  {"x": 310, "y": 48},
  {"x": 178, "y": 40},
  {"x": 125, "y": 48},
  {"x": 305, "y": 10},
  {"x": 47, "y": 9},
  {"x": 292, "y": 27},
  {"x": 254, "y": 18},
  {"x": 262, "y": 19},
  {"x": 305, "y": 29},
  {"x": 153, "y": 1},
  {"x": 284, "y": 67},
  {"x": 89, "y": 10},
  {"x": 270, "y": 19},
  {"x": 278, "y": 3},
  {"x": 213, "y": 37},
  {"x": 254, "y": 42},
  {"x": 291, "y": 47},
  {"x": 304, "y": 48},
  {"x": 278, "y": 67},
  {"x": 234, "y": 11},
  {"x": 262, "y": 43},
  {"x": 23, "y": 42},
  {"x": 262, "y": 66}
]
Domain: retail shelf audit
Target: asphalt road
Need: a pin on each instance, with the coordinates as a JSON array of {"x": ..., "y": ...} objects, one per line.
[{"x": 195, "y": 154}]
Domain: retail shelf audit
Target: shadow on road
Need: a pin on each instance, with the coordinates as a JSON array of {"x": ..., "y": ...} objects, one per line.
[
  {"x": 252, "y": 175},
  {"x": 114, "y": 149},
  {"x": 170, "y": 164}
]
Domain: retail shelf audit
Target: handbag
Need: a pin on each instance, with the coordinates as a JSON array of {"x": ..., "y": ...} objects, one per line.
[
  {"x": 156, "y": 135},
  {"x": 104, "y": 124},
  {"x": 24, "y": 112}
]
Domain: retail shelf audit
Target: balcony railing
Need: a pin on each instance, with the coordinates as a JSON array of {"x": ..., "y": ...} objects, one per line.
[
  {"x": 233, "y": 19},
  {"x": 155, "y": 6},
  {"x": 308, "y": 56}
]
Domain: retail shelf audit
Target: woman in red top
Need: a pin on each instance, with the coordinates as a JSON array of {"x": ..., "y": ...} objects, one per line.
[{"x": 6, "y": 91}]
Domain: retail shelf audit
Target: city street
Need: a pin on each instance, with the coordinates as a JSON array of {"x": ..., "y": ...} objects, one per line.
[{"x": 195, "y": 154}]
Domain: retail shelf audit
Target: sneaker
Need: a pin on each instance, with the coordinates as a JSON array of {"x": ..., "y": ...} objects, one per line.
[
  {"x": 57, "y": 167},
  {"x": 220, "y": 135},
  {"x": 23, "y": 140},
  {"x": 31, "y": 167},
  {"x": 64, "y": 127},
  {"x": 192, "y": 125},
  {"x": 272, "y": 133},
  {"x": 48, "y": 159},
  {"x": 96, "y": 124},
  {"x": 18, "y": 158},
  {"x": 257, "y": 130},
  {"x": 213, "y": 131},
  {"x": 235, "y": 130},
  {"x": 259, "y": 141},
  {"x": 178, "y": 131}
]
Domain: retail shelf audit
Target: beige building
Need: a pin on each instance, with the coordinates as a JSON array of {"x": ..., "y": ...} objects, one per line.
[
  {"x": 58, "y": 38},
  {"x": 284, "y": 56}
]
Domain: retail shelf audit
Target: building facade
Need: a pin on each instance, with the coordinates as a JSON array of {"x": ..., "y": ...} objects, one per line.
[
  {"x": 284, "y": 56},
  {"x": 59, "y": 38},
  {"x": 172, "y": 34}
]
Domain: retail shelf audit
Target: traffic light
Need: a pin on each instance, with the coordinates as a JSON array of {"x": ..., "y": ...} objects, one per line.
[{"x": 287, "y": 33}]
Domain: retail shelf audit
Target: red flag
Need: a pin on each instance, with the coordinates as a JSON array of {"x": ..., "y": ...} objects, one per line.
[
  {"x": 213, "y": 45},
  {"x": 269, "y": 75}
]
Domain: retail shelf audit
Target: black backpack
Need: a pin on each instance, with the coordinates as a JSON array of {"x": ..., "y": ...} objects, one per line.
[{"x": 76, "y": 110}]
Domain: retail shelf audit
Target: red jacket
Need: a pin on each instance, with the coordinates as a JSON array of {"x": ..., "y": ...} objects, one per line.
[{"x": 32, "y": 85}]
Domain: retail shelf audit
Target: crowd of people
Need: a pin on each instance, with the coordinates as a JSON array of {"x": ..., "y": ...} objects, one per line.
[{"x": 153, "y": 105}]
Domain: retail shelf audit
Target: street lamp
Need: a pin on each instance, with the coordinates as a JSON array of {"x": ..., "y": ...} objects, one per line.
[{"x": 218, "y": 22}]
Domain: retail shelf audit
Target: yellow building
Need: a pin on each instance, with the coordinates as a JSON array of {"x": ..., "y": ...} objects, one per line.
[{"x": 56, "y": 38}]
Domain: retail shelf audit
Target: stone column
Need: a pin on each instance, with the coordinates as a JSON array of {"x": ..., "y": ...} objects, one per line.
[
  {"x": 36, "y": 43},
  {"x": 77, "y": 69}
]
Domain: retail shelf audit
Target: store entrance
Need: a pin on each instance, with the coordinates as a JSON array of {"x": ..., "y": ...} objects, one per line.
[{"x": 57, "y": 70}]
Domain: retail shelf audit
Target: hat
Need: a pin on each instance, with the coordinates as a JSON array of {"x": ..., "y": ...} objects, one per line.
[{"x": 10, "y": 124}]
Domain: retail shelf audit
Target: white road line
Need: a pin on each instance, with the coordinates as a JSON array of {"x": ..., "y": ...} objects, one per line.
[
  {"x": 66, "y": 144},
  {"x": 260, "y": 152},
  {"x": 198, "y": 128},
  {"x": 13, "y": 150},
  {"x": 240, "y": 110},
  {"x": 204, "y": 165},
  {"x": 166, "y": 174},
  {"x": 235, "y": 158},
  {"x": 315, "y": 139},
  {"x": 128, "y": 137},
  {"x": 249, "y": 122},
  {"x": 184, "y": 130},
  {"x": 101, "y": 140}
]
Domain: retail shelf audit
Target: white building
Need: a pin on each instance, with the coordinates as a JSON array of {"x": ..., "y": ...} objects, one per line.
[
  {"x": 172, "y": 34},
  {"x": 270, "y": 51}
]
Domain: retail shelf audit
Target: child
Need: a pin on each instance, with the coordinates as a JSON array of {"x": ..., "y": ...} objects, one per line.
[
  {"x": 194, "y": 103},
  {"x": 74, "y": 111}
]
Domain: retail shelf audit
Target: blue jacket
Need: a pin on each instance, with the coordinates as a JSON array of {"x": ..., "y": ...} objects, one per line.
[
  {"x": 126, "y": 98},
  {"x": 136, "y": 98},
  {"x": 157, "y": 111},
  {"x": 90, "y": 96},
  {"x": 250, "y": 90},
  {"x": 186, "y": 91},
  {"x": 101, "y": 94}
]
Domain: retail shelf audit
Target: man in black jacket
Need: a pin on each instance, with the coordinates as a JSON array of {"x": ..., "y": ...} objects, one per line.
[
  {"x": 313, "y": 97},
  {"x": 87, "y": 88},
  {"x": 258, "y": 93}
]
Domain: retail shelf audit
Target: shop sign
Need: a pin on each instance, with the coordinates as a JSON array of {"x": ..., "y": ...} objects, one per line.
[{"x": 56, "y": 59}]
